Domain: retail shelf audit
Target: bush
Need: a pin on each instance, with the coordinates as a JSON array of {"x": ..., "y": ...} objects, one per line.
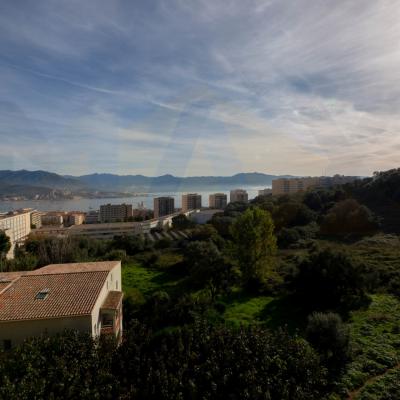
[
  {"x": 206, "y": 362},
  {"x": 330, "y": 280},
  {"x": 331, "y": 338},
  {"x": 349, "y": 217}
]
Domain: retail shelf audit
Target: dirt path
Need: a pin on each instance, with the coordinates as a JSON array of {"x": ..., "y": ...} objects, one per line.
[{"x": 354, "y": 394}]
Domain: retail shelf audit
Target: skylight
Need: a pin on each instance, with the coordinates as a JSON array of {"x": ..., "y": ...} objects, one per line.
[{"x": 42, "y": 294}]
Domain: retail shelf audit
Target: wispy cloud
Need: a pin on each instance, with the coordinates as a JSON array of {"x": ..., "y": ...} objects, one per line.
[{"x": 192, "y": 86}]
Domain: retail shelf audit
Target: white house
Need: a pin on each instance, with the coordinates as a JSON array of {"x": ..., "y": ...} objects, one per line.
[{"x": 82, "y": 296}]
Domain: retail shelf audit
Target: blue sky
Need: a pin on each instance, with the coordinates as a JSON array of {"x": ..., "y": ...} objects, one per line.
[{"x": 200, "y": 87}]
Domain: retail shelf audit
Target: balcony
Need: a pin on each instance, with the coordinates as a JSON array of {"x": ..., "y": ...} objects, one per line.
[{"x": 111, "y": 314}]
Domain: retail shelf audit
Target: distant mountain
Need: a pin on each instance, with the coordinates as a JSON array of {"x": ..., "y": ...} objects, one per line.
[
  {"x": 173, "y": 183},
  {"x": 44, "y": 184},
  {"x": 41, "y": 179}
]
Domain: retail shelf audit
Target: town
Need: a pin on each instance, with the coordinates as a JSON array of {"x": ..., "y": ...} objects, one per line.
[{"x": 121, "y": 219}]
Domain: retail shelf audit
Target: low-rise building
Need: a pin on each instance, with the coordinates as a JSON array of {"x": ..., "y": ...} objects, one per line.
[
  {"x": 296, "y": 185},
  {"x": 115, "y": 212},
  {"x": 17, "y": 226},
  {"x": 239, "y": 196},
  {"x": 191, "y": 201},
  {"x": 74, "y": 218},
  {"x": 265, "y": 192},
  {"x": 52, "y": 218},
  {"x": 92, "y": 217},
  {"x": 217, "y": 200},
  {"x": 203, "y": 216},
  {"x": 163, "y": 206},
  {"x": 82, "y": 296}
]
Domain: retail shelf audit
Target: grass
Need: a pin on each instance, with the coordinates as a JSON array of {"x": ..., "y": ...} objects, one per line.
[
  {"x": 243, "y": 309},
  {"x": 375, "y": 338},
  {"x": 140, "y": 282}
]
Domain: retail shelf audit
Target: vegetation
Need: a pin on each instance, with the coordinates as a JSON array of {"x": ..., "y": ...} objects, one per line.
[
  {"x": 283, "y": 298},
  {"x": 254, "y": 244}
]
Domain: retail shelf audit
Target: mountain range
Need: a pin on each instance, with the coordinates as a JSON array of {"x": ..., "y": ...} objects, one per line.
[{"x": 29, "y": 183}]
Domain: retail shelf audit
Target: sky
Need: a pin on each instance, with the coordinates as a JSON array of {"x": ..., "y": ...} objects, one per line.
[{"x": 207, "y": 87}]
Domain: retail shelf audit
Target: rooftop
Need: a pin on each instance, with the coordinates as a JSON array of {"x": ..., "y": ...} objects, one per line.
[{"x": 57, "y": 290}]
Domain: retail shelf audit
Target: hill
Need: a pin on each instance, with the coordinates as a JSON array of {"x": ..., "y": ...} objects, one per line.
[{"x": 174, "y": 183}]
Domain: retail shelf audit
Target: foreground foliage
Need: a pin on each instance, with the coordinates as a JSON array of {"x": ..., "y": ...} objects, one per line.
[{"x": 198, "y": 362}]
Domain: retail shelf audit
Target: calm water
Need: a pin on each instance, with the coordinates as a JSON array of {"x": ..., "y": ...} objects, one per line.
[{"x": 94, "y": 204}]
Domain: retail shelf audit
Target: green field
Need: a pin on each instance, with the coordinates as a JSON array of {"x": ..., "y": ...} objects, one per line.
[{"x": 373, "y": 372}]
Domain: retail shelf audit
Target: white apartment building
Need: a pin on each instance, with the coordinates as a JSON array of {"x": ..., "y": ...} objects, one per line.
[
  {"x": 239, "y": 195},
  {"x": 217, "y": 200},
  {"x": 295, "y": 185},
  {"x": 115, "y": 212},
  {"x": 17, "y": 226},
  {"x": 36, "y": 219},
  {"x": 82, "y": 296}
]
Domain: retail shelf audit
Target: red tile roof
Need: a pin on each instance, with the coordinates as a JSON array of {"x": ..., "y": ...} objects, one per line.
[
  {"x": 76, "y": 267},
  {"x": 73, "y": 290},
  {"x": 69, "y": 294}
]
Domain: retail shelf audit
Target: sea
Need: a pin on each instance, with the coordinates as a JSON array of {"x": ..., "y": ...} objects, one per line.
[{"x": 141, "y": 200}]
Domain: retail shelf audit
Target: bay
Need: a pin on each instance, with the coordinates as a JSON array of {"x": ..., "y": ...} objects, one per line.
[{"x": 81, "y": 204}]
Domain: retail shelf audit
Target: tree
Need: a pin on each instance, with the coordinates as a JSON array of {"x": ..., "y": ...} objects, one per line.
[
  {"x": 291, "y": 214},
  {"x": 207, "y": 266},
  {"x": 5, "y": 244},
  {"x": 331, "y": 338},
  {"x": 254, "y": 243},
  {"x": 330, "y": 280},
  {"x": 67, "y": 366},
  {"x": 349, "y": 217},
  {"x": 181, "y": 221},
  {"x": 215, "y": 362}
]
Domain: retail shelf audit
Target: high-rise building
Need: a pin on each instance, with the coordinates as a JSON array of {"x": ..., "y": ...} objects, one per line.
[
  {"x": 36, "y": 219},
  {"x": 191, "y": 201},
  {"x": 239, "y": 196},
  {"x": 163, "y": 206},
  {"x": 217, "y": 200},
  {"x": 115, "y": 212},
  {"x": 17, "y": 226}
]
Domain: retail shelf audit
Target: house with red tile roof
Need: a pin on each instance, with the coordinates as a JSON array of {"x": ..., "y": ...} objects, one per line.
[{"x": 80, "y": 296}]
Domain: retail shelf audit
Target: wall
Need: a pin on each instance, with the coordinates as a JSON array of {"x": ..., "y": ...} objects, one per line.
[{"x": 18, "y": 331}]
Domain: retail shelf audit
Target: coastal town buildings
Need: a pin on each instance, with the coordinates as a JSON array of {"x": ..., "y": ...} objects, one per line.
[
  {"x": 239, "y": 195},
  {"x": 295, "y": 185},
  {"x": 265, "y": 192},
  {"x": 217, "y": 200},
  {"x": 115, "y": 212},
  {"x": 17, "y": 226},
  {"x": 191, "y": 201},
  {"x": 163, "y": 206}
]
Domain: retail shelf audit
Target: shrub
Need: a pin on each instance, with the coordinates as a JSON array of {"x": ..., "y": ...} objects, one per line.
[
  {"x": 331, "y": 338},
  {"x": 330, "y": 280}
]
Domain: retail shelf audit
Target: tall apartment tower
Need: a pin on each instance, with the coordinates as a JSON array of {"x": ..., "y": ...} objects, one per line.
[
  {"x": 217, "y": 200},
  {"x": 163, "y": 206},
  {"x": 115, "y": 212},
  {"x": 239, "y": 195},
  {"x": 191, "y": 201}
]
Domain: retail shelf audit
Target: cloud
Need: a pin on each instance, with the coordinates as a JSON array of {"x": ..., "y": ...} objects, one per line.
[{"x": 183, "y": 87}]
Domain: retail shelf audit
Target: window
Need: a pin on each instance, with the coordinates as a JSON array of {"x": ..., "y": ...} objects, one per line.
[
  {"x": 7, "y": 344},
  {"x": 42, "y": 294}
]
